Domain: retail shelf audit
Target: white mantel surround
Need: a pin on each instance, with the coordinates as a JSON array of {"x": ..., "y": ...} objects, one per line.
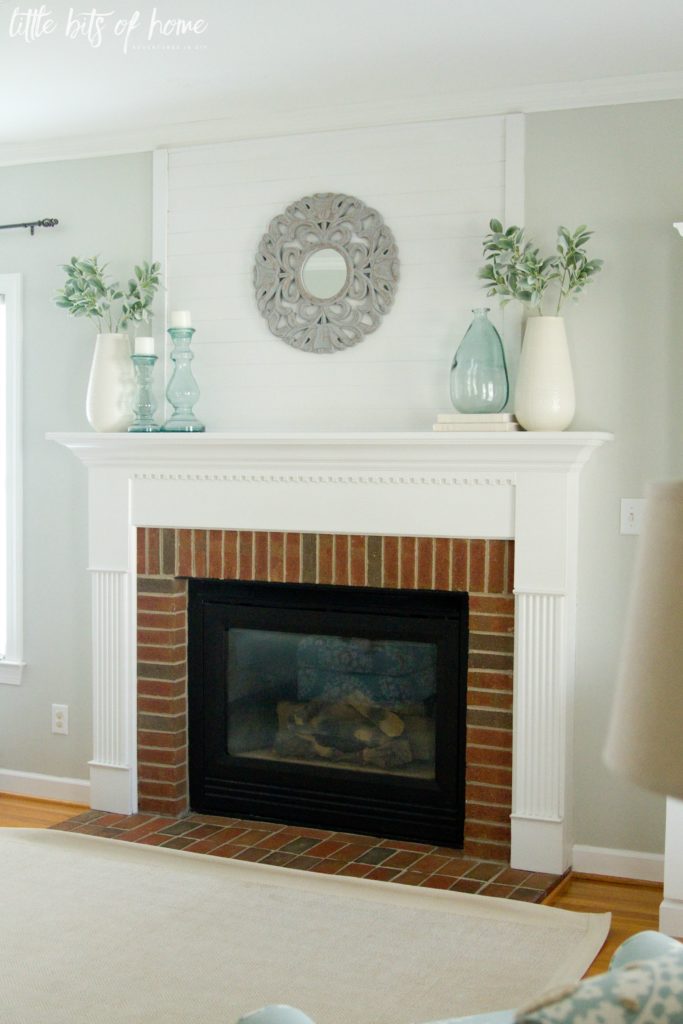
[{"x": 513, "y": 485}]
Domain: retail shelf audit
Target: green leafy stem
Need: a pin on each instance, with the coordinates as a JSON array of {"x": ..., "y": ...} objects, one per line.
[
  {"x": 515, "y": 268},
  {"x": 88, "y": 293}
]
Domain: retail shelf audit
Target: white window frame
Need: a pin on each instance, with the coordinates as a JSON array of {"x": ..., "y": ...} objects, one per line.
[{"x": 11, "y": 664}]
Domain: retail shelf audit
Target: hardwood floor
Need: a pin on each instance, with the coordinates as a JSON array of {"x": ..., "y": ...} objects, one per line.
[
  {"x": 634, "y": 905},
  {"x": 26, "y": 812}
]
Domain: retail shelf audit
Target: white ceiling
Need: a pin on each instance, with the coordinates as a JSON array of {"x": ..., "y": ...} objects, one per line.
[{"x": 310, "y": 62}]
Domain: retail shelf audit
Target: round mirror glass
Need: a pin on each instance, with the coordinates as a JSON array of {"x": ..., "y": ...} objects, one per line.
[{"x": 324, "y": 273}]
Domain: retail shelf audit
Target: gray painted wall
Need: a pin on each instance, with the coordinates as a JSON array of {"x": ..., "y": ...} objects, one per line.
[
  {"x": 103, "y": 206},
  {"x": 620, "y": 170}
]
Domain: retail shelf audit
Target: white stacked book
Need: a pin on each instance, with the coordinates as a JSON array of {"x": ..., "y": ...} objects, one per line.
[{"x": 500, "y": 421}]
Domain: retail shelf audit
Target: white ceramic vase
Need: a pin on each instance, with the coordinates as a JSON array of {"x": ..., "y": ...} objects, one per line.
[
  {"x": 544, "y": 395},
  {"x": 111, "y": 386}
]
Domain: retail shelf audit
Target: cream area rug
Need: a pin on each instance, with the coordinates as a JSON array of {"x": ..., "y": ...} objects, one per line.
[{"x": 96, "y": 931}]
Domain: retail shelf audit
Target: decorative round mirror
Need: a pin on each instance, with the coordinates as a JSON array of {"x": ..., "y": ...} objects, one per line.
[{"x": 326, "y": 272}]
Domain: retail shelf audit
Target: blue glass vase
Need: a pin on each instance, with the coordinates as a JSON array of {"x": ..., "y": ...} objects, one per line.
[{"x": 479, "y": 377}]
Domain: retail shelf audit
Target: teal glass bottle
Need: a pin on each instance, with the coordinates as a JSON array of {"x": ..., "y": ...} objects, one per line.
[{"x": 479, "y": 378}]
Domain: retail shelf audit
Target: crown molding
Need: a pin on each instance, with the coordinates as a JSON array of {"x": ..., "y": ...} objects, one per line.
[{"x": 264, "y": 124}]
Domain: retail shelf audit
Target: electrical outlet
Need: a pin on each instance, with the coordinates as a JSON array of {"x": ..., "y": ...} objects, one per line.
[
  {"x": 631, "y": 514},
  {"x": 60, "y": 719}
]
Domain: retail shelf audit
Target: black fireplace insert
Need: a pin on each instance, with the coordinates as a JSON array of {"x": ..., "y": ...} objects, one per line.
[{"x": 335, "y": 707}]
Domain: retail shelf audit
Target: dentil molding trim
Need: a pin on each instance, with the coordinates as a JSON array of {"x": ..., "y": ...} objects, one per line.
[{"x": 324, "y": 478}]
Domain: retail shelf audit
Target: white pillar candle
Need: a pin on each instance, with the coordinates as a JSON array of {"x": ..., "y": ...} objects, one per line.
[
  {"x": 144, "y": 346},
  {"x": 181, "y": 318}
]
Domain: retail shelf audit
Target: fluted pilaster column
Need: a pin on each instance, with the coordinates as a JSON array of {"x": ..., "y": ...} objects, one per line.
[{"x": 113, "y": 692}]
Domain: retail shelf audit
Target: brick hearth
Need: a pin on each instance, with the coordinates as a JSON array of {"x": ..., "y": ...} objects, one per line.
[
  {"x": 319, "y": 851},
  {"x": 167, "y": 558}
]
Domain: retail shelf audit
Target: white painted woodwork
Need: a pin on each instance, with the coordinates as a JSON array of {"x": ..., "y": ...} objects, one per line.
[
  {"x": 12, "y": 580},
  {"x": 44, "y": 787},
  {"x": 541, "y": 716},
  {"x": 112, "y": 768},
  {"x": 539, "y": 710},
  {"x": 600, "y": 860},
  {"x": 671, "y": 907},
  {"x": 518, "y": 485},
  {"x": 436, "y": 185}
]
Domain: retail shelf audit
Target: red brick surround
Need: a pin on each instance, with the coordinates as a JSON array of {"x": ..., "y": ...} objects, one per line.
[{"x": 484, "y": 568}]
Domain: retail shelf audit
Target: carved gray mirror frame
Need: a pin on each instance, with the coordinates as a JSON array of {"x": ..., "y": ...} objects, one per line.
[{"x": 326, "y": 220}]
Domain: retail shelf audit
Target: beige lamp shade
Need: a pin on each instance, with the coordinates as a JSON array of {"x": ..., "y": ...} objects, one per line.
[{"x": 645, "y": 739}]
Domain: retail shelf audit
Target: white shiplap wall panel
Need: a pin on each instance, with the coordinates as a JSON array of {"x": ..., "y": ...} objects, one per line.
[
  {"x": 217, "y": 197},
  {"x": 474, "y": 135},
  {"x": 237, "y": 294},
  {"x": 219, "y": 352},
  {"x": 194, "y": 231},
  {"x": 426, "y": 276},
  {"x": 423, "y": 252},
  {"x": 436, "y": 184}
]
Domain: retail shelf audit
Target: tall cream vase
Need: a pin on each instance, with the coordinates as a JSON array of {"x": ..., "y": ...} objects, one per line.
[
  {"x": 111, "y": 386},
  {"x": 544, "y": 395}
]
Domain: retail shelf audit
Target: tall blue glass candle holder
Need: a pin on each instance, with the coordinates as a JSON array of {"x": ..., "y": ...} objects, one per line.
[
  {"x": 182, "y": 391},
  {"x": 145, "y": 402}
]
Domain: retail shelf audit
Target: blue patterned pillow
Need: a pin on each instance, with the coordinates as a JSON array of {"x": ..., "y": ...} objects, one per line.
[{"x": 645, "y": 992}]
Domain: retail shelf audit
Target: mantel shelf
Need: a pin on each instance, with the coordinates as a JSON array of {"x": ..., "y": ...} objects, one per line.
[{"x": 487, "y": 451}]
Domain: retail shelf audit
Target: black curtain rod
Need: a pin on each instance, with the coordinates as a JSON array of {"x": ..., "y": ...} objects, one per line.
[{"x": 49, "y": 222}]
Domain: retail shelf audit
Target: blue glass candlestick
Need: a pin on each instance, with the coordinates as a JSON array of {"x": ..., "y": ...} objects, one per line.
[
  {"x": 182, "y": 391},
  {"x": 145, "y": 402}
]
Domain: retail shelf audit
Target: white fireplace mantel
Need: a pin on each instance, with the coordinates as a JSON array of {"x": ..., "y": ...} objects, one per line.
[{"x": 493, "y": 485}]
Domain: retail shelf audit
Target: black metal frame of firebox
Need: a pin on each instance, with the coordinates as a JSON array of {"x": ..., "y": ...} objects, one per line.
[{"x": 335, "y": 798}]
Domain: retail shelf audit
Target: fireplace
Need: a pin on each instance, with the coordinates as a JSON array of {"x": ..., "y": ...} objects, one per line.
[
  {"x": 522, "y": 487},
  {"x": 336, "y": 707},
  {"x": 171, "y": 563}
]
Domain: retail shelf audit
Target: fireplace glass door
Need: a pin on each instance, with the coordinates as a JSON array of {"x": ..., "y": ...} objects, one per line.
[
  {"x": 349, "y": 702},
  {"x": 339, "y": 707}
]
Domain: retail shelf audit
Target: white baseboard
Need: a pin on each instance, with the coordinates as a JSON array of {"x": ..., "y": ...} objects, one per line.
[
  {"x": 599, "y": 860},
  {"x": 671, "y": 918},
  {"x": 45, "y": 787}
]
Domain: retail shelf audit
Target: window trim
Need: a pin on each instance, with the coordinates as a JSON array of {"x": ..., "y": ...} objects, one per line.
[{"x": 12, "y": 664}]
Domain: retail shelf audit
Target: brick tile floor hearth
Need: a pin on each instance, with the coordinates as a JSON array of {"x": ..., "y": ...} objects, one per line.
[{"x": 310, "y": 849}]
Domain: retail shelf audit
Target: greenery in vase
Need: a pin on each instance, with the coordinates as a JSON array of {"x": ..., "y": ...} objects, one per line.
[
  {"x": 88, "y": 293},
  {"x": 516, "y": 269}
]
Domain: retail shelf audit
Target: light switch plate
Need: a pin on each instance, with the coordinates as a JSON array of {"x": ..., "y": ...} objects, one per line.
[{"x": 631, "y": 514}]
